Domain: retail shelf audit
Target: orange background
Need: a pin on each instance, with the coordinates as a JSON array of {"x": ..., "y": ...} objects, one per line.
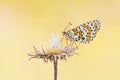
[{"x": 24, "y": 23}]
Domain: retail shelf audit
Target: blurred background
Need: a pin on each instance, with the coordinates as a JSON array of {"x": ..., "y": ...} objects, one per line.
[{"x": 24, "y": 23}]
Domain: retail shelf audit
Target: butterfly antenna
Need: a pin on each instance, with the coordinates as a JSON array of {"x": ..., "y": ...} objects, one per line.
[{"x": 69, "y": 24}]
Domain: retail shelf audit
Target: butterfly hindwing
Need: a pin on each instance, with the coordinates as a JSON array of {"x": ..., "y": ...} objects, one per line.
[{"x": 88, "y": 31}]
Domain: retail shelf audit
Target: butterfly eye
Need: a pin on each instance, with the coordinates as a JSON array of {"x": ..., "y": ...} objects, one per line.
[{"x": 64, "y": 33}]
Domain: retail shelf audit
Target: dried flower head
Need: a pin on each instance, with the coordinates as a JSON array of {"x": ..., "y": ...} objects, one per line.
[{"x": 56, "y": 51}]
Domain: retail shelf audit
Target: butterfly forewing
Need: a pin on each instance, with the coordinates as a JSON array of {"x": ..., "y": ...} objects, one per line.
[{"x": 86, "y": 32}]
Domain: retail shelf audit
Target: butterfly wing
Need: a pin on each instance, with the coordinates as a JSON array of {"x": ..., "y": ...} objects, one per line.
[{"x": 88, "y": 31}]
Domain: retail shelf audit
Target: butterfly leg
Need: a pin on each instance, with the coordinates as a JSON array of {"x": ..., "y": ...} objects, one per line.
[
  {"x": 62, "y": 39},
  {"x": 76, "y": 45},
  {"x": 71, "y": 43},
  {"x": 66, "y": 42}
]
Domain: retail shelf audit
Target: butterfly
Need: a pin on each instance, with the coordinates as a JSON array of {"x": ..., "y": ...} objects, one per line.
[{"x": 84, "y": 33}]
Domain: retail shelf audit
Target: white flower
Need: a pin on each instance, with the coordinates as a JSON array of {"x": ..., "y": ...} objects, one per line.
[
  {"x": 56, "y": 50},
  {"x": 55, "y": 42}
]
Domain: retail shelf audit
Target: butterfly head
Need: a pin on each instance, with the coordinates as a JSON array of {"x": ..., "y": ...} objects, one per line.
[{"x": 64, "y": 33}]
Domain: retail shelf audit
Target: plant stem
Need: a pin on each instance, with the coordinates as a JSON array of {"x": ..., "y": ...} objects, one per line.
[{"x": 55, "y": 68}]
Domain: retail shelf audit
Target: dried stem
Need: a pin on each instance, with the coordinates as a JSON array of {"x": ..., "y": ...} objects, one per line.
[{"x": 55, "y": 68}]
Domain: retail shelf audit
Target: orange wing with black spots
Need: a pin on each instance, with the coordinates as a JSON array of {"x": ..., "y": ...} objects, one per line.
[{"x": 85, "y": 32}]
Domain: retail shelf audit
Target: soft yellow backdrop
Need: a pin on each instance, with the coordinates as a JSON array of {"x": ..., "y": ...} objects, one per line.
[{"x": 24, "y": 23}]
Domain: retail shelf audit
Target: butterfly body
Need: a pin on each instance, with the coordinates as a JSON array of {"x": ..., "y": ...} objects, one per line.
[{"x": 83, "y": 33}]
